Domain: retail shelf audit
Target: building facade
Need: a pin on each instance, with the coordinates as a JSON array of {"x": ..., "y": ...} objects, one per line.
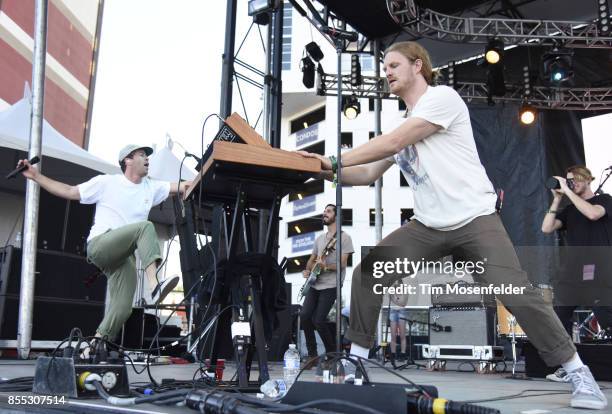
[{"x": 70, "y": 60}]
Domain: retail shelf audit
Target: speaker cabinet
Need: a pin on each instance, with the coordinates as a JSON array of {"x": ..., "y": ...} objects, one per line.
[
  {"x": 464, "y": 326},
  {"x": 62, "y": 299}
]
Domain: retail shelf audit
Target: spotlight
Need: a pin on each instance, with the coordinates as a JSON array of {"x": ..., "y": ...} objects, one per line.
[
  {"x": 260, "y": 6},
  {"x": 494, "y": 51},
  {"x": 527, "y": 114},
  {"x": 603, "y": 21},
  {"x": 557, "y": 66},
  {"x": 314, "y": 51},
  {"x": 355, "y": 70},
  {"x": 351, "y": 107},
  {"x": 308, "y": 71},
  {"x": 260, "y": 10}
]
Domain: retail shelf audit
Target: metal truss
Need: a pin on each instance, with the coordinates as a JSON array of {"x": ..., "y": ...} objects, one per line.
[
  {"x": 433, "y": 25},
  {"x": 542, "y": 97}
]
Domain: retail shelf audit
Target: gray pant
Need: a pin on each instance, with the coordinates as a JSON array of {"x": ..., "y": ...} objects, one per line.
[
  {"x": 485, "y": 239},
  {"x": 113, "y": 253}
]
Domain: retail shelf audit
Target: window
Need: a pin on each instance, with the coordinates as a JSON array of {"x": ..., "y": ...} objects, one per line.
[
  {"x": 287, "y": 34},
  {"x": 297, "y": 264},
  {"x": 307, "y": 189},
  {"x": 403, "y": 182},
  {"x": 401, "y": 105},
  {"x": 373, "y": 217},
  {"x": 305, "y": 225},
  {"x": 347, "y": 216},
  {"x": 346, "y": 140},
  {"x": 307, "y": 120},
  {"x": 405, "y": 215},
  {"x": 318, "y": 148},
  {"x": 367, "y": 63}
]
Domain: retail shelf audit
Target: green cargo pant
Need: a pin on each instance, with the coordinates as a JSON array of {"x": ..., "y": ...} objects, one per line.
[
  {"x": 485, "y": 238},
  {"x": 113, "y": 253}
]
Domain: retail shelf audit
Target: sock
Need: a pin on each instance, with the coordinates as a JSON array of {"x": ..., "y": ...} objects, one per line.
[
  {"x": 359, "y": 350},
  {"x": 573, "y": 364}
]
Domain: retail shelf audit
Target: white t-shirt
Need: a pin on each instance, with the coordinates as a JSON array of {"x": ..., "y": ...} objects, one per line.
[
  {"x": 119, "y": 201},
  {"x": 450, "y": 185}
]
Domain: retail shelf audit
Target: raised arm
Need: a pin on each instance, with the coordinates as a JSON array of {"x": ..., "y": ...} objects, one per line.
[{"x": 69, "y": 192}]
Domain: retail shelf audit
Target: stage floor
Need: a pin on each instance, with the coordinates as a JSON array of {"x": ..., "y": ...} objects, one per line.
[{"x": 451, "y": 385}]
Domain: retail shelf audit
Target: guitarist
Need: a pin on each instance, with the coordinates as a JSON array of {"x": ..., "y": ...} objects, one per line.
[{"x": 321, "y": 296}]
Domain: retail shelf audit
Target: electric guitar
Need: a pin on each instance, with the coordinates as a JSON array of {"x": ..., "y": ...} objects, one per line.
[{"x": 316, "y": 270}]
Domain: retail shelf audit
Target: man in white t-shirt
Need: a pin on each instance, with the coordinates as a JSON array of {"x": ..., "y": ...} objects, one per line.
[
  {"x": 123, "y": 202},
  {"x": 454, "y": 213}
]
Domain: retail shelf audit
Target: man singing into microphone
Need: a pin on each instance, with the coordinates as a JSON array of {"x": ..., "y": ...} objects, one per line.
[
  {"x": 585, "y": 279},
  {"x": 454, "y": 212},
  {"x": 123, "y": 202}
]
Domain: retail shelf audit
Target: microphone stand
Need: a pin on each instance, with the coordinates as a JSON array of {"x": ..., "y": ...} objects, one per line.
[
  {"x": 410, "y": 362},
  {"x": 600, "y": 188}
]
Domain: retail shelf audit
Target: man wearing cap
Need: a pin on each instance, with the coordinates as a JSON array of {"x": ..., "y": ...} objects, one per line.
[{"x": 123, "y": 202}]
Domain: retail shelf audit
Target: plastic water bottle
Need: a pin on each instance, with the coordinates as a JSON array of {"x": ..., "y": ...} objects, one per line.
[
  {"x": 292, "y": 365},
  {"x": 274, "y": 388},
  {"x": 576, "y": 333}
]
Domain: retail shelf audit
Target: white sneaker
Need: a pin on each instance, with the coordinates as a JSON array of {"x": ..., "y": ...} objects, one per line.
[
  {"x": 585, "y": 391},
  {"x": 163, "y": 288},
  {"x": 559, "y": 375}
]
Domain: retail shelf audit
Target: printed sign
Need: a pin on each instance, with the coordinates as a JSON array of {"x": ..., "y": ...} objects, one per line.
[
  {"x": 307, "y": 135},
  {"x": 302, "y": 242},
  {"x": 305, "y": 205}
]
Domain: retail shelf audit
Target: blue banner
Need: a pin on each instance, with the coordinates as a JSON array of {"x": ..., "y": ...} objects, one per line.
[
  {"x": 307, "y": 135},
  {"x": 305, "y": 205},
  {"x": 302, "y": 242}
]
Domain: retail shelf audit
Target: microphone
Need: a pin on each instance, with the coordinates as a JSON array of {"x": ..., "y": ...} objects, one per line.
[
  {"x": 17, "y": 170},
  {"x": 339, "y": 33}
]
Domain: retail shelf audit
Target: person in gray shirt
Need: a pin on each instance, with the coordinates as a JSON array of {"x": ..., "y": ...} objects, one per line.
[{"x": 321, "y": 296}]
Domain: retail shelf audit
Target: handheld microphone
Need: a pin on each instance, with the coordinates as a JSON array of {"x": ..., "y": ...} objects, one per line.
[{"x": 13, "y": 174}]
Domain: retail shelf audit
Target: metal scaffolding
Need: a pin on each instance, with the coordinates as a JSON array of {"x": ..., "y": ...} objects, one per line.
[
  {"x": 542, "y": 97},
  {"x": 438, "y": 26}
]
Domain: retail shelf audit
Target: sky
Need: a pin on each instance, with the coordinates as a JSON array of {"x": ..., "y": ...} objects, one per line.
[{"x": 159, "y": 72}]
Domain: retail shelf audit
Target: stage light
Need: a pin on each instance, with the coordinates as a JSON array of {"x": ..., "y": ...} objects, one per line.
[
  {"x": 297, "y": 262},
  {"x": 297, "y": 229},
  {"x": 314, "y": 51},
  {"x": 494, "y": 51},
  {"x": 557, "y": 66},
  {"x": 355, "y": 70},
  {"x": 603, "y": 21},
  {"x": 260, "y": 6},
  {"x": 260, "y": 10},
  {"x": 451, "y": 80},
  {"x": 308, "y": 72},
  {"x": 352, "y": 107},
  {"x": 527, "y": 114}
]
